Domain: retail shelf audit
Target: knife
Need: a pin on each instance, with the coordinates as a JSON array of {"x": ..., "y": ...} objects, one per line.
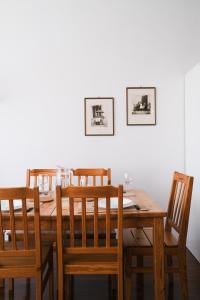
[{"x": 142, "y": 208}]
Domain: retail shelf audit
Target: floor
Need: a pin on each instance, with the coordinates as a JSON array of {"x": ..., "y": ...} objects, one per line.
[{"x": 86, "y": 287}]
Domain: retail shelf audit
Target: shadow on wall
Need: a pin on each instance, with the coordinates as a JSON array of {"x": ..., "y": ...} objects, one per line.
[{"x": 192, "y": 150}]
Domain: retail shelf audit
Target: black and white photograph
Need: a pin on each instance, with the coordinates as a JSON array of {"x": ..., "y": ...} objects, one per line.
[
  {"x": 141, "y": 105},
  {"x": 99, "y": 116}
]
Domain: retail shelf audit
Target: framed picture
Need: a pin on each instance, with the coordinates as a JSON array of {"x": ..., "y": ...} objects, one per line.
[
  {"x": 141, "y": 105},
  {"x": 99, "y": 116}
]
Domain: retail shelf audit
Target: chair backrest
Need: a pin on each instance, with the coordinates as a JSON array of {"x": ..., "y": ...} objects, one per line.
[
  {"x": 14, "y": 220},
  {"x": 41, "y": 178},
  {"x": 95, "y": 177},
  {"x": 179, "y": 206},
  {"x": 93, "y": 221}
]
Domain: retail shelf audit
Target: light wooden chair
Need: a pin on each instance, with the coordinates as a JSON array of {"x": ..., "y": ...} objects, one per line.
[
  {"x": 99, "y": 176},
  {"x": 32, "y": 177},
  {"x": 91, "y": 177},
  {"x": 139, "y": 242},
  {"x": 29, "y": 257},
  {"x": 94, "y": 256},
  {"x": 94, "y": 177}
]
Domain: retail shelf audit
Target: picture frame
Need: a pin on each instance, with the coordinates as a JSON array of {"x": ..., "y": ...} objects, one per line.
[
  {"x": 141, "y": 105},
  {"x": 99, "y": 116}
]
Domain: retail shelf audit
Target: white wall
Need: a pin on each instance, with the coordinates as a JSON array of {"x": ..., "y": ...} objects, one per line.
[
  {"x": 55, "y": 53},
  {"x": 192, "y": 154}
]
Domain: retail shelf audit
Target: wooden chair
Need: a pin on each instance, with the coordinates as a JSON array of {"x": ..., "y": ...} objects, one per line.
[
  {"x": 34, "y": 177},
  {"x": 94, "y": 256},
  {"x": 91, "y": 177},
  {"x": 139, "y": 241},
  {"x": 34, "y": 174},
  {"x": 95, "y": 177},
  {"x": 29, "y": 257},
  {"x": 77, "y": 175}
]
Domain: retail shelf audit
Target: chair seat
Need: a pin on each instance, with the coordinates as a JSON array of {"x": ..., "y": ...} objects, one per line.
[
  {"x": 143, "y": 237},
  {"x": 90, "y": 235},
  {"x": 90, "y": 243},
  {"x": 170, "y": 239},
  {"x": 25, "y": 261},
  {"x": 91, "y": 263}
]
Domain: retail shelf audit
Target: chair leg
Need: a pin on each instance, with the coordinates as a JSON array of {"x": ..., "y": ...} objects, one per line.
[
  {"x": 109, "y": 287},
  {"x": 3, "y": 293},
  {"x": 51, "y": 281},
  {"x": 11, "y": 285},
  {"x": 60, "y": 283},
  {"x": 28, "y": 289},
  {"x": 71, "y": 287},
  {"x": 183, "y": 276},
  {"x": 140, "y": 278},
  {"x": 170, "y": 274},
  {"x": 128, "y": 286},
  {"x": 39, "y": 286},
  {"x": 112, "y": 286},
  {"x": 120, "y": 286},
  {"x": 1, "y": 282},
  {"x": 69, "y": 282},
  {"x": 170, "y": 292},
  {"x": 10, "y": 296},
  {"x": 128, "y": 276}
]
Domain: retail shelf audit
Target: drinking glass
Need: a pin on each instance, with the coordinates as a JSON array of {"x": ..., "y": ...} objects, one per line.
[
  {"x": 127, "y": 182},
  {"x": 63, "y": 176},
  {"x": 58, "y": 175},
  {"x": 46, "y": 184},
  {"x": 83, "y": 181},
  {"x": 66, "y": 177},
  {"x": 43, "y": 182},
  {"x": 40, "y": 184}
]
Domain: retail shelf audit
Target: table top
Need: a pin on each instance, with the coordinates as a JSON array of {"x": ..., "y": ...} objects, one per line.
[
  {"x": 131, "y": 216},
  {"x": 140, "y": 197}
]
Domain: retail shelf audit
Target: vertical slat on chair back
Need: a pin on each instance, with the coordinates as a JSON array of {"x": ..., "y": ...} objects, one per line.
[
  {"x": 78, "y": 218},
  {"x": 94, "y": 177},
  {"x": 14, "y": 220},
  {"x": 179, "y": 205},
  {"x": 35, "y": 173}
]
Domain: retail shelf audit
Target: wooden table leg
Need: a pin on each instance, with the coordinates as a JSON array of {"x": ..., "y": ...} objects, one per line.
[{"x": 158, "y": 251}]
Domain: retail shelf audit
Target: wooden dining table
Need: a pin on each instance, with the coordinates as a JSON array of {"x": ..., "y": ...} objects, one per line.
[{"x": 152, "y": 216}]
